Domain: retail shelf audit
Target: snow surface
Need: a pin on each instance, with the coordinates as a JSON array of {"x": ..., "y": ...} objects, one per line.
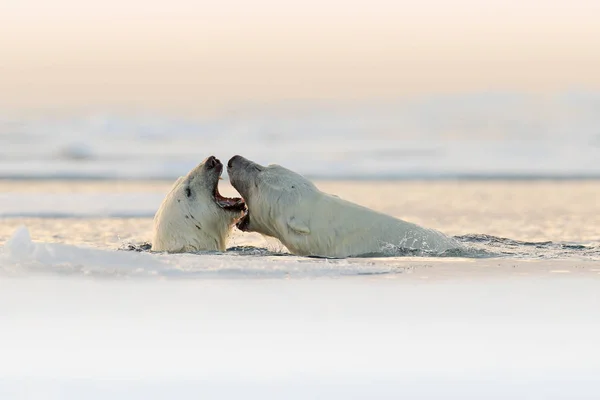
[
  {"x": 80, "y": 322},
  {"x": 487, "y": 134},
  {"x": 21, "y": 256}
]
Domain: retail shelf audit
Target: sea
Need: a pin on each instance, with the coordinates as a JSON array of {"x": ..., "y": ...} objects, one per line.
[
  {"x": 86, "y": 311},
  {"x": 485, "y": 135}
]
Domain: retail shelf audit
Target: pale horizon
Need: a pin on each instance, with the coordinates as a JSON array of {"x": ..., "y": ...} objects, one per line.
[{"x": 180, "y": 54}]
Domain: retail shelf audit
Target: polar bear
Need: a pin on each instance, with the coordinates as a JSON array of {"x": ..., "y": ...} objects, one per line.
[
  {"x": 194, "y": 216},
  {"x": 287, "y": 206}
]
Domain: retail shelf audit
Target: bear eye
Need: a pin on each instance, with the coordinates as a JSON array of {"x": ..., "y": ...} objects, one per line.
[{"x": 188, "y": 192}]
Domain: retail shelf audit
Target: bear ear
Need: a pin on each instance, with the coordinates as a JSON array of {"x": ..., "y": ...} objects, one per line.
[{"x": 298, "y": 226}]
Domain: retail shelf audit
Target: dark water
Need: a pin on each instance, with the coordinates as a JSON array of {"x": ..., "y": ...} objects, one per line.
[{"x": 475, "y": 246}]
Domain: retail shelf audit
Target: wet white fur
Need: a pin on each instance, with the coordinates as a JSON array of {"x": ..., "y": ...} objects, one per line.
[
  {"x": 184, "y": 224},
  {"x": 289, "y": 207}
]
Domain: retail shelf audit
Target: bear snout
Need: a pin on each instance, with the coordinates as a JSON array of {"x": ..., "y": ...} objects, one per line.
[
  {"x": 232, "y": 160},
  {"x": 212, "y": 162}
]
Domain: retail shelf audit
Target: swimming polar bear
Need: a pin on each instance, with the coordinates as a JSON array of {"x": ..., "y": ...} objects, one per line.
[
  {"x": 287, "y": 206},
  {"x": 194, "y": 216}
]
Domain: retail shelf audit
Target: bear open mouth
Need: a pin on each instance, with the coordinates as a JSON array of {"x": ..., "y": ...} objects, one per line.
[{"x": 228, "y": 203}]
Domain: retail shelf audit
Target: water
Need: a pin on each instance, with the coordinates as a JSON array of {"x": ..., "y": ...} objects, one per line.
[
  {"x": 506, "y": 221},
  {"x": 476, "y": 246},
  {"x": 493, "y": 135},
  {"x": 514, "y": 316}
]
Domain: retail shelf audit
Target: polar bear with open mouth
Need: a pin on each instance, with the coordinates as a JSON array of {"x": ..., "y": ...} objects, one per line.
[
  {"x": 194, "y": 216},
  {"x": 287, "y": 206}
]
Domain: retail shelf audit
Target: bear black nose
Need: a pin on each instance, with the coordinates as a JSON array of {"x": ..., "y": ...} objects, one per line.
[
  {"x": 231, "y": 161},
  {"x": 211, "y": 162}
]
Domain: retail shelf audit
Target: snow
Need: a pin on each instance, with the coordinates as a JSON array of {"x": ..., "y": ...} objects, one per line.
[
  {"x": 300, "y": 339},
  {"x": 80, "y": 322},
  {"x": 22, "y": 256}
]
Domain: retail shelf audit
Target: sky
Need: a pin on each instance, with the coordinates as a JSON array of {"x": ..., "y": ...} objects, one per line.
[{"x": 201, "y": 55}]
